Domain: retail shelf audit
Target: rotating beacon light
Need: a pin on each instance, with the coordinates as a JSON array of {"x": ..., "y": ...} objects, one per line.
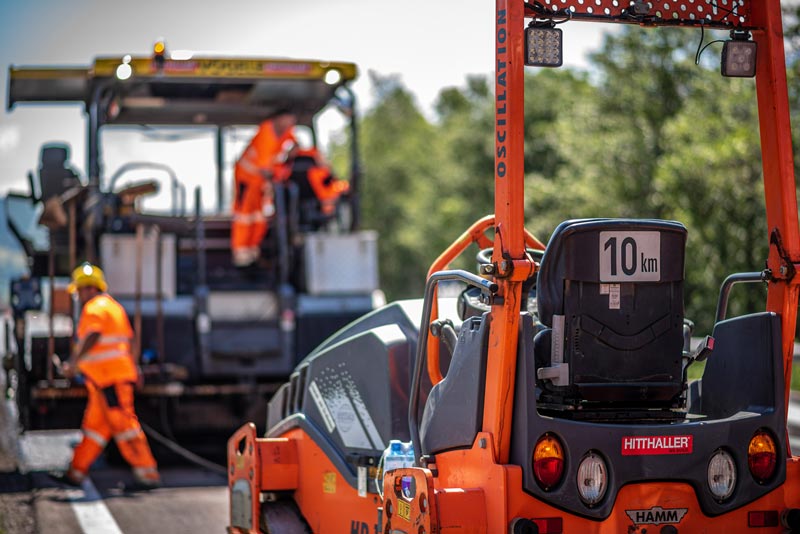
[{"x": 159, "y": 50}]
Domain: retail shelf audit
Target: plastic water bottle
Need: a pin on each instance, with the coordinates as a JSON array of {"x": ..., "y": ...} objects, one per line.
[
  {"x": 394, "y": 456},
  {"x": 408, "y": 449}
]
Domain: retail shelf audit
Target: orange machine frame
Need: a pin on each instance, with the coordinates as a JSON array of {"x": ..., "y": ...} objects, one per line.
[
  {"x": 779, "y": 190},
  {"x": 474, "y": 490}
]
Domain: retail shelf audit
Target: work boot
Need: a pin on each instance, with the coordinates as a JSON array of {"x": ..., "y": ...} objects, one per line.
[
  {"x": 64, "y": 479},
  {"x": 142, "y": 485},
  {"x": 146, "y": 481}
]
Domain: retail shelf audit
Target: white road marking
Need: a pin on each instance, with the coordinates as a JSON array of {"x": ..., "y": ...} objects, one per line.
[
  {"x": 793, "y": 417},
  {"x": 793, "y": 423},
  {"x": 90, "y": 510}
]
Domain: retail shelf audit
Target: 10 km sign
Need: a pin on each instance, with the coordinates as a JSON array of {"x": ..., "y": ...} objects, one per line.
[{"x": 630, "y": 256}]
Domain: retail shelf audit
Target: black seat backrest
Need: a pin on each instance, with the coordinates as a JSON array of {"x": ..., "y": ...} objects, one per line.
[
  {"x": 309, "y": 215},
  {"x": 611, "y": 291},
  {"x": 55, "y": 174},
  {"x": 299, "y": 175}
]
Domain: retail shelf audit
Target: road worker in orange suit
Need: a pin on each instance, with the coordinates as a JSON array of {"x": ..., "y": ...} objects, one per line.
[
  {"x": 262, "y": 162},
  {"x": 326, "y": 188},
  {"x": 103, "y": 356}
]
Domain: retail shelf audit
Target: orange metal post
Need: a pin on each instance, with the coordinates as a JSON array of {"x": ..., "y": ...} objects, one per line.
[
  {"x": 779, "y": 180},
  {"x": 509, "y": 130},
  {"x": 509, "y": 244},
  {"x": 473, "y": 234}
]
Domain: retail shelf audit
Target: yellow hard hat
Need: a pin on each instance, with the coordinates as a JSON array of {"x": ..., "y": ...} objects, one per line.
[{"x": 87, "y": 275}]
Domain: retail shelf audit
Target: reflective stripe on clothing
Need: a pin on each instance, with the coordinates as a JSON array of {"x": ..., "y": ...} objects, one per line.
[
  {"x": 120, "y": 421},
  {"x": 105, "y": 355},
  {"x": 109, "y": 339},
  {"x": 94, "y": 436},
  {"x": 128, "y": 435},
  {"x": 145, "y": 471},
  {"x": 248, "y": 165},
  {"x": 114, "y": 339},
  {"x": 109, "y": 360},
  {"x": 249, "y": 218}
]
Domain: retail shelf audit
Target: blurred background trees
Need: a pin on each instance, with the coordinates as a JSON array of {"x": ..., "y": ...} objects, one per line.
[{"x": 644, "y": 132}]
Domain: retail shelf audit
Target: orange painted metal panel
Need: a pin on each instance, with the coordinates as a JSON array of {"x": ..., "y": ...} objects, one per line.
[
  {"x": 329, "y": 504},
  {"x": 295, "y": 462},
  {"x": 409, "y": 512},
  {"x": 242, "y": 468},
  {"x": 635, "y": 504},
  {"x": 413, "y": 505},
  {"x": 509, "y": 243},
  {"x": 779, "y": 180},
  {"x": 462, "y": 510}
]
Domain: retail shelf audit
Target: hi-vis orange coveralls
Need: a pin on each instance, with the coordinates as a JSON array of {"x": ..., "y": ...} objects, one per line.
[
  {"x": 110, "y": 375},
  {"x": 323, "y": 183},
  {"x": 252, "y": 195}
]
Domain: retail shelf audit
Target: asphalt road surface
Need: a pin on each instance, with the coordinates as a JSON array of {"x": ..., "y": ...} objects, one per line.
[{"x": 192, "y": 500}]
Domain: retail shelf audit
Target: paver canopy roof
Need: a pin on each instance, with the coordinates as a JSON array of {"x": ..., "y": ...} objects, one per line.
[{"x": 197, "y": 90}]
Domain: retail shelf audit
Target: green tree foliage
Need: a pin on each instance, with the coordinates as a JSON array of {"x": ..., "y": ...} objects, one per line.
[
  {"x": 645, "y": 132},
  {"x": 644, "y": 84},
  {"x": 562, "y": 182},
  {"x": 658, "y": 136},
  {"x": 791, "y": 28},
  {"x": 401, "y": 175},
  {"x": 711, "y": 178}
]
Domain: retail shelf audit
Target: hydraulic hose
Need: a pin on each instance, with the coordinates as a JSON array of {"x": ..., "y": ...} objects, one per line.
[{"x": 186, "y": 454}]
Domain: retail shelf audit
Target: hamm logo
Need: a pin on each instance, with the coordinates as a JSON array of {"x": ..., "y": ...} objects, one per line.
[{"x": 656, "y": 515}]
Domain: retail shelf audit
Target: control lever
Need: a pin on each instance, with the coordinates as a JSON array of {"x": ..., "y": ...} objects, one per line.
[{"x": 703, "y": 350}]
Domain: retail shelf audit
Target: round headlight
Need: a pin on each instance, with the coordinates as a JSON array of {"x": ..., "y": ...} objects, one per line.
[
  {"x": 124, "y": 71},
  {"x": 592, "y": 479},
  {"x": 721, "y": 475},
  {"x": 333, "y": 76}
]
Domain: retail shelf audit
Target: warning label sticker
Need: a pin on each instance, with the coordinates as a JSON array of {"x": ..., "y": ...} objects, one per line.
[
  {"x": 321, "y": 406},
  {"x": 403, "y": 509},
  {"x": 613, "y": 297},
  {"x": 329, "y": 482}
]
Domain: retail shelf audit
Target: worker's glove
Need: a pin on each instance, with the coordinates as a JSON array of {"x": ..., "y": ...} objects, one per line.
[{"x": 68, "y": 370}]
